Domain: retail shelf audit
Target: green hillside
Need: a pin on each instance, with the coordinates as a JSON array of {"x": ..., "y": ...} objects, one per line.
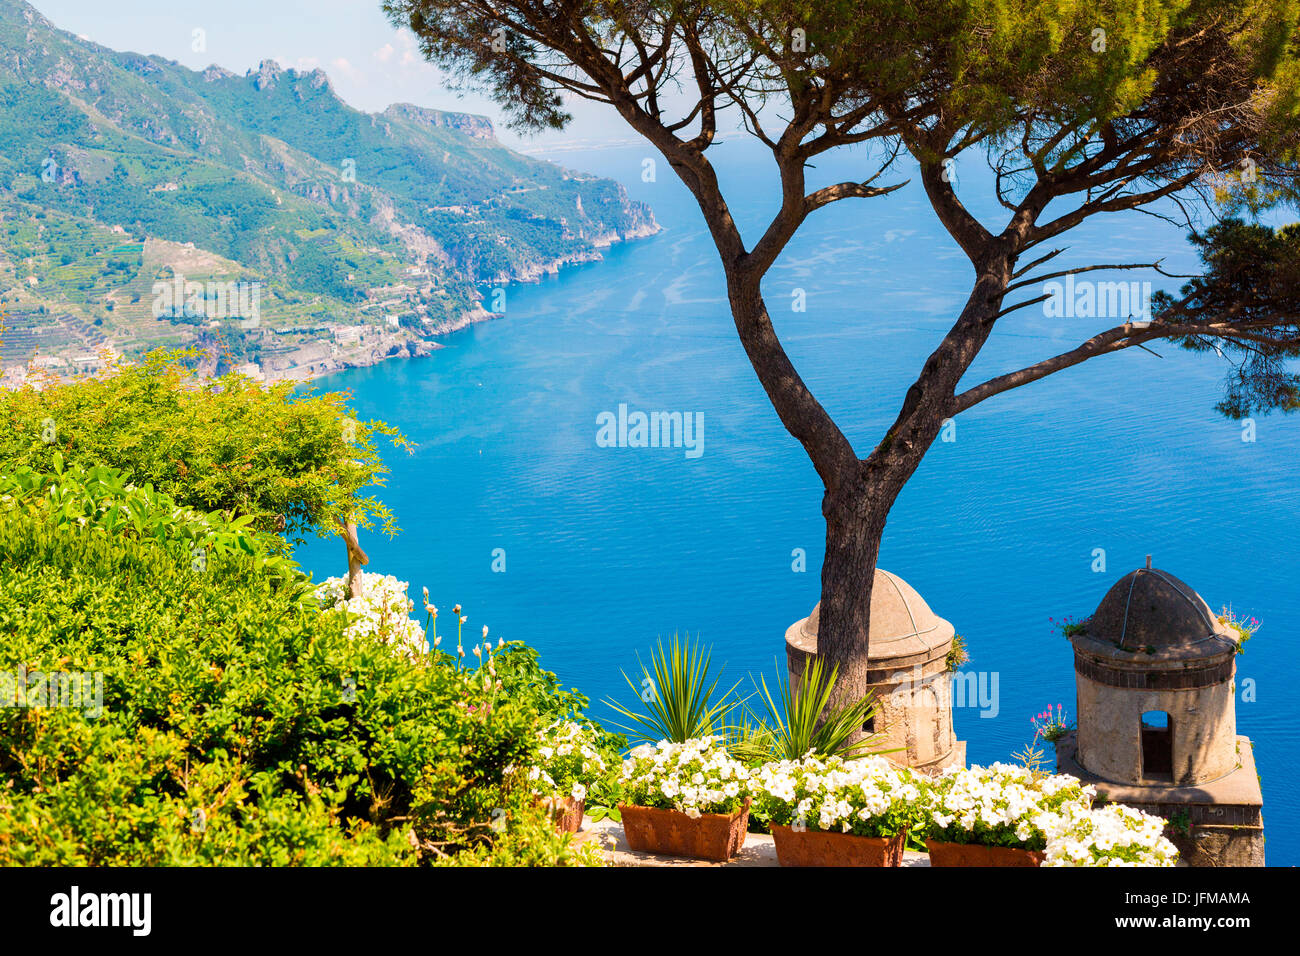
[{"x": 119, "y": 170}]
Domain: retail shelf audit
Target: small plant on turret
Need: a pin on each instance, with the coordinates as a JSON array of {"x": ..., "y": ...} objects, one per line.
[
  {"x": 1244, "y": 626},
  {"x": 1069, "y": 625},
  {"x": 957, "y": 654}
]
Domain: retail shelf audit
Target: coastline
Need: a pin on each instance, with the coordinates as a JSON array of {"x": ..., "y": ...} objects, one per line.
[
  {"x": 390, "y": 345},
  {"x": 367, "y": 345}
]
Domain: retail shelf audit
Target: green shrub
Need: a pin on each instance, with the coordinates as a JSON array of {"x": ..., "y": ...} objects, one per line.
[
  {"x": 102, "y": 500},
  {"x": 240, "y": 725},
  {"x": 226, "y": 717},
  {"x": 294, "y": 462}
]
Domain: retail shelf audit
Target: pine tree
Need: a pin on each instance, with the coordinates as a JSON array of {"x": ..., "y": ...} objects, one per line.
[{"x": 1092, "y": 108}]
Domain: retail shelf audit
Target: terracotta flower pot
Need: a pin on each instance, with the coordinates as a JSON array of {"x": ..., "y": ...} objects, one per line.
[
  {"x": 820, "y": 848},
  {"x": 710, "y": 836},
  {"x": 976, "y": 854},
  {"x": 566, "y": 812}
]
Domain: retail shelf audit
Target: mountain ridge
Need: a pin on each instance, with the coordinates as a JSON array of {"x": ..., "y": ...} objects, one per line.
[{"x": 399, "y": 222}]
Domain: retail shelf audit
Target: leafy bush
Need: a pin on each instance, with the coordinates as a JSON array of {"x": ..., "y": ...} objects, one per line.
[
  {"x": 102, "y": 500},
  {"x": 292, "y": 462},
  {"x": 241, "y": 725}
]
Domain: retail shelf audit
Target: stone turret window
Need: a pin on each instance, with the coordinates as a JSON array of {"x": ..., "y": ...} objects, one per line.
[{"x": 1157, "y": 745}]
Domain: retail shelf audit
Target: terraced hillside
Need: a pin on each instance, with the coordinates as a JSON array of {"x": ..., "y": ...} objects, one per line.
[{"x": 120, "y": 171}]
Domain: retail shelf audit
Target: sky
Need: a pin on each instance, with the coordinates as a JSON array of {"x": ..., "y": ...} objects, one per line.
[{"x": 370, "y": 64}]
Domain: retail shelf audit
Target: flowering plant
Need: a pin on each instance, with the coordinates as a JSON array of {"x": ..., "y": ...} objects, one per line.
[
  {"x": 1002, "y": 805},
  {"x": 867, "y": 797},
  {"x": 1244, "y": 626},
  {"x": 694, "y": 776},
  {"x": 570, "y": 761},
  {"x": 1112, "y": 835},
  {"x": 1050, "y": 726},
  {"x": 382, "y": 609}
]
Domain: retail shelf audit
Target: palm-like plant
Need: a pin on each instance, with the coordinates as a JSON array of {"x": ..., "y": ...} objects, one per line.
[
  {"x": 803, "y": 721},
  {"x": 679, "y": 696}
]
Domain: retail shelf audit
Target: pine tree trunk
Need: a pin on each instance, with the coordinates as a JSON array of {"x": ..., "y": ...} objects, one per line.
[
  {"x": 853, "y": 533},
  {"x": 858, "y": 501}
]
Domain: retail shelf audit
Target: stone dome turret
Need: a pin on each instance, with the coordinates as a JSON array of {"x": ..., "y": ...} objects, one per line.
[
  {"x": 1154, "y": 673},
  {"x": 902, "y": 624},
  {"x": 907, "y": 670},
  {"x": 1156, "y": 717},
  {"x": 1151, "y": 613}
]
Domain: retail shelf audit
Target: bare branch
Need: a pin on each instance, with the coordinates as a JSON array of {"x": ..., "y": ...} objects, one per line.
[
  {"x": 1070, "y": 272},
  {"x": 1037, "y": 262},
  {"x": 1121, "y": 337},
  {"x": 1109, "y": 341},
  {"x": 830, "y": 194}
]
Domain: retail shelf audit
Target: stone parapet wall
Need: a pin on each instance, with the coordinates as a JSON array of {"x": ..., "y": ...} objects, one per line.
[{"x": 1220, "y": 823}]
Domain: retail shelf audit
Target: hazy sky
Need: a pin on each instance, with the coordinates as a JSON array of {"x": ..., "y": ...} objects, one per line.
[{"x": 369, "y": 63}]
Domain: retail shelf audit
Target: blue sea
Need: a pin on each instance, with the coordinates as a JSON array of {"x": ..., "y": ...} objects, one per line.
[{"x": 606, "y": 549}]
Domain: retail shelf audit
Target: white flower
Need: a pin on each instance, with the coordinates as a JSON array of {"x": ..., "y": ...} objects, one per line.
[
  {"x": 562, "y": 752},
  {"x": 689, "y": 776},
  {"x": 1112, "y": 835},
  {"x": 382, "y": 609}
]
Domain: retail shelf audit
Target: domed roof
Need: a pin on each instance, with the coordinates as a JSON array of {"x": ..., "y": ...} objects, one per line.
[
  {"x": 902, "y": 624},
  {"x": 1151, "y": 612}
]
